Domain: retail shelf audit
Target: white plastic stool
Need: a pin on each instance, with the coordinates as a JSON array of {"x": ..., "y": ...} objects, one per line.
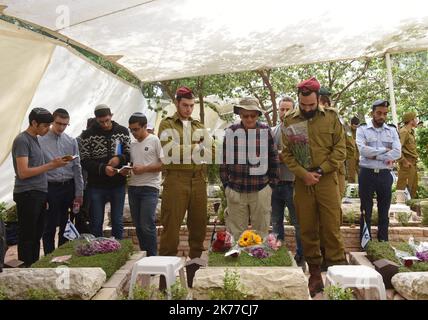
[
  {"x": 350, "y": 276},
  {"x": 163, "y": 265}
]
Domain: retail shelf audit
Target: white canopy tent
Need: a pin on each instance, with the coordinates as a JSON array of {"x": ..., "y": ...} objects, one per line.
[
  {"x": 37, "y": 72},
  {"x": 169, "y": 39}
]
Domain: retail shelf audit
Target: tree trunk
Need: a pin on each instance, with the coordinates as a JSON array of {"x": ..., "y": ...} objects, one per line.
[
  {"x": 168, "y": 88},
  {"x": 265, "y": 75},
  {"x": 201, "y": 99}
]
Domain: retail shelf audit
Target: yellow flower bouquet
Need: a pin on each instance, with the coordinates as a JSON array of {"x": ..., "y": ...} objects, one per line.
[{"x": 249, "y": 238}]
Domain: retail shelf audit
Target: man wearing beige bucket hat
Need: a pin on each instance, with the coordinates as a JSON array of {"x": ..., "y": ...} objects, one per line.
[
  {"x": 249, "y": 170},
  {"x": 408, "y": 171}
]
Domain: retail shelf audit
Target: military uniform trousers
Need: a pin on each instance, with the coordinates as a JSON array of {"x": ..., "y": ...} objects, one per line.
[
  {"x": 408, "y": 177},
  {"x": 353, "y": 169},
  {"x": 183, "y": 190},
  {"x": 320, "y": 205}
]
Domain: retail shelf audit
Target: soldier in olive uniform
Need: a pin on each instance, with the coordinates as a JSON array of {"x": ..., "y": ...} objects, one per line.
[
  {"x": 184, "y": 187},
  {"x": 350, "y": 142},
  {"x": 352, "y": 161},
  {"x": 408, "y": 171},
  {"x": 316, "y": 190}
]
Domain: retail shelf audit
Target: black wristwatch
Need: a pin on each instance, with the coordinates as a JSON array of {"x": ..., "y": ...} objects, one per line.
[{"x": 319, "y": 171}]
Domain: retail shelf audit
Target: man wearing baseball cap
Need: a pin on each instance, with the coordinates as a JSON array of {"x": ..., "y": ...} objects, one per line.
[
  {"x": 316, "y": 197},
  {"x": 408, "y": 171}
]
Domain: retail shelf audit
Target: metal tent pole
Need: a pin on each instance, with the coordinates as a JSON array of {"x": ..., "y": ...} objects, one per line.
[{"x": 391, "y": 88}]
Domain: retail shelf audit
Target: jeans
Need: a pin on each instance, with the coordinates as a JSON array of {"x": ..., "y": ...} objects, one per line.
[
  {"x": 98, "y": 198},
  {"x": 381, "y": 183},
  {"x": 31, "y": 209},
  {"x": 282, "y": 196},
  {"x": 60, "y": 200},
  {"x": 143, "y": 202}
]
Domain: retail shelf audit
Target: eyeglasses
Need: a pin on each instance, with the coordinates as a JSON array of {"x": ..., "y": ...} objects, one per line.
[
  {"x": 246, "y": 116},
  {"x": 134, "y": 129},
  {"x": 61, "y": 124}
]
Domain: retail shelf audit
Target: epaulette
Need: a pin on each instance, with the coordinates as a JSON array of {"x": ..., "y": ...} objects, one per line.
[
  {"x": 392, "y": 125},
  {"x": 363, "y": 124}
]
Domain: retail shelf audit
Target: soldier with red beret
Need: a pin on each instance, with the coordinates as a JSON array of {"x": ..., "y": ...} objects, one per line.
[{"x": 316, "y": 197}]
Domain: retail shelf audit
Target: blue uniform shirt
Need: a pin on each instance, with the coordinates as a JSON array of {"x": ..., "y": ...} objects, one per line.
[{"x": 382, "y": 143}]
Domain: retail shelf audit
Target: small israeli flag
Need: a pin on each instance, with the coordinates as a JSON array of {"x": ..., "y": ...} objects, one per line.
[
  {"x": 118, "y": 148},
  {"x": 70, "y": 231},
  {"x": 366, "y": 234}
]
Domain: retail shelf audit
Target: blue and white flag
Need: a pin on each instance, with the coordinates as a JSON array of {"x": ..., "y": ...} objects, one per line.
[
  {"x": 118, "y": 148},
  {"x": 366, "y": 234},
  {"x": 70, "y": 231}
]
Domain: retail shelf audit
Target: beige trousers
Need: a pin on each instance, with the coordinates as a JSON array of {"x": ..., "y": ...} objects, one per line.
[{"x": 245, "y": 208}]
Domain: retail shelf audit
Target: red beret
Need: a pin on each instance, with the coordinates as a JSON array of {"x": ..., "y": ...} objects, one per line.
[
  {"x": 311, "y": 84},
  {"x": 184, "y": 92}
]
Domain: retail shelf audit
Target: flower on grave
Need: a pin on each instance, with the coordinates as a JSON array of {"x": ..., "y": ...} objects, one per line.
[
  {"x": 249, "y": 238},
  {"x": 258, "y": 252},
  {"x": 273, "y": 242},
  {"x": 222, "y": 241}
]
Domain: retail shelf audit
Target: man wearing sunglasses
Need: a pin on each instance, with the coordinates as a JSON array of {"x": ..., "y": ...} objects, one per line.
[
  {"x": 249, "y": 171},
  {"x": 105, "y": 147},
  {"x": 65, "y": 184}
]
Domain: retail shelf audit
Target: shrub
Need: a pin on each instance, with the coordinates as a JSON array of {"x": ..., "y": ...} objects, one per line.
[
  {"x": 150, "y": 293},
  {"x": 213, "y": 173},
  {"x": 422, "y": 144},
  {"x": 350, "y": 217},
  {"x": 232, "y": 288},
  {"x": 422, "y": 192},
  {"x": 380, "y": 250},
  {"x": 223, "y": 205},
  {"x": 33, "y": 294},
  {"x": 338, "y": 293},
  {"x": 375, "y": 217},
  {"x": 424, "y": 212},
  {"x": 403, "y": 218},
  {"x": 41, "y": 294},
  {"x": 2, "y": 211},
  {"x": 178, "y": 292},
  {"x": 3, "y": 295}
]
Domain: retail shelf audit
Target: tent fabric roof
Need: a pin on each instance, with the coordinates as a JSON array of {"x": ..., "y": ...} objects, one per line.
[
  {"x": 170, "y": 39},
  {"x": 40, "y": 73}
]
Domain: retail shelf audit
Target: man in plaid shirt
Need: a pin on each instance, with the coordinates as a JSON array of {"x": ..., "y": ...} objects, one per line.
[{"x": 249, "y": 170}]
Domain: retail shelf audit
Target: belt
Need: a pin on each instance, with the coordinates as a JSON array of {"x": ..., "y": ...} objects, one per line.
[
  {"x": 61, "y": 183},
  {"x": 375, "y": 170},
  {"x": 284, "y": 183},
  {"x": 185, "y": 172}
]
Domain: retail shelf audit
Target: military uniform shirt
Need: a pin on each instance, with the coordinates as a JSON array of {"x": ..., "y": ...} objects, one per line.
[{"x": 408, "y": 143}]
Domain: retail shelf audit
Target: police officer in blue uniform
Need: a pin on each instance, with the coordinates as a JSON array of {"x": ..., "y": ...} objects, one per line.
[{"x": 379, "y": 146}]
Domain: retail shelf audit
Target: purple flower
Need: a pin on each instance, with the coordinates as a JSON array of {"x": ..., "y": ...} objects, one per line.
[{"x": 422, "y": 255}]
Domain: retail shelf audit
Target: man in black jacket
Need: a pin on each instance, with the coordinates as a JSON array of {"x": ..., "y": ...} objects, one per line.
[{"x": 104, "y": 150}]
